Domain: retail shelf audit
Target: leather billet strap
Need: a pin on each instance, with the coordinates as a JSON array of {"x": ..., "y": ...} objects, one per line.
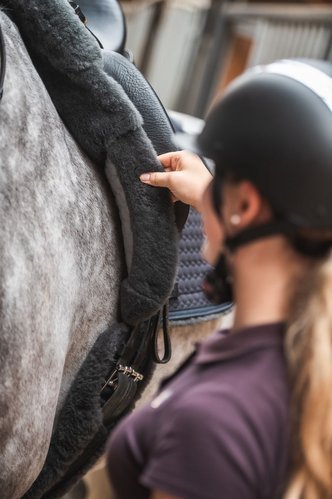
[
  {"x": 167, "y": 347},
  {"x": 119, "y": 390}
]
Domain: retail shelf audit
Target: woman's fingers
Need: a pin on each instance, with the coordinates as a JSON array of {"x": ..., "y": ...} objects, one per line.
[
  {"x": 167, "y": 156},
  {"x": 157, "y": 179},
  {"x": 172, "y": 160},
  {"x": 185, "y": 176}
]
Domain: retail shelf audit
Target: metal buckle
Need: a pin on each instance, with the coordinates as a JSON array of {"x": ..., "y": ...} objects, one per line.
[{"x": 127, "y": 370}]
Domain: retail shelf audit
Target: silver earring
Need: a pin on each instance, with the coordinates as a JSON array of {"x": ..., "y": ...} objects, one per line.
[{"x": 235, "y": 219}]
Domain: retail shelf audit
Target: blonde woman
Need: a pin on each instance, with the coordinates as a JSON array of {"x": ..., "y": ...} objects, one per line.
[{"x": 249, "y": 415}]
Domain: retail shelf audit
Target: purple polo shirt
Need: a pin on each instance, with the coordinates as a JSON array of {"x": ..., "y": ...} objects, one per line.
[{"x": 218, "y": 429}]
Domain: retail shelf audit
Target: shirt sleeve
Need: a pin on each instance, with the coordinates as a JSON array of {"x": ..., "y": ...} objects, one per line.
[{"x": 203, "y": 453}]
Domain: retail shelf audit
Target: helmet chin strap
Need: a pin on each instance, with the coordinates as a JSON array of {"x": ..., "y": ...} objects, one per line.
[
  {"x": 218, "y": 285},
  {"x": 246, "y": 236}
]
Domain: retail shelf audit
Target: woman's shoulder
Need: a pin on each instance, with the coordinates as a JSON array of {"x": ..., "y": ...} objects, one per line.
[
  {"x": 239, "y": 441},
  {"x": 254, "y": 385},
  {"x": 243, "y": 369},
  {"x": 250, "y": 397}
]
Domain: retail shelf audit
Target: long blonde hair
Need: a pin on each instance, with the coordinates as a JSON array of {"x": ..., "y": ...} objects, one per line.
[{"x": 309, "y": 356}]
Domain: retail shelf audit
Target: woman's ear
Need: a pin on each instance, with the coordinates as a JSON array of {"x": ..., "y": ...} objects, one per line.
[
  {"x": 249, "y": 203},
  {"x": 243, "y": 206}
]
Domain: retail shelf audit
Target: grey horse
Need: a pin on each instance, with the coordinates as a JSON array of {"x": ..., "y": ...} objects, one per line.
[
  {"x": 62, "y": 263},
  {"x": 61, "y": 266}
]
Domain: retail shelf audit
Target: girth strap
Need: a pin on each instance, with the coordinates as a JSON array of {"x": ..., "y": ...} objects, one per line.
[
  {"x": 125, "y": 388},
  {"x": 119, "y": 390}
]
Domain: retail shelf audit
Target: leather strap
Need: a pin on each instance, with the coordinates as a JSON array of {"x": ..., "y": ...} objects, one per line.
[
  {"x": 167, "y": 354},
  {"x": 119, "y": 390},
  {"x": 123, "y": 396}
]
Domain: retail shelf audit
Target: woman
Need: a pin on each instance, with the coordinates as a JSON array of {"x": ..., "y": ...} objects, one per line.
[{"x": 249, "y": 415}]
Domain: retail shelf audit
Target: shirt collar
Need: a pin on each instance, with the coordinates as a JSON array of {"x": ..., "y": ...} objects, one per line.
[{"x": 224, "y": 345}]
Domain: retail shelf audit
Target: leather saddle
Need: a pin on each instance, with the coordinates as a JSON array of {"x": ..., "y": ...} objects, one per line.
[{"x": 107, "y": 22}]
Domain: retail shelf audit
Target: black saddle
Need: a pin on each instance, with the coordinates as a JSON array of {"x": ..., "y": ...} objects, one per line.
[{"x": 188, "y": 301}]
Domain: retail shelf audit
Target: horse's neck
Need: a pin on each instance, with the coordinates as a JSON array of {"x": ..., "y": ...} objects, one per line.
[{"x": 61, "y": 264}]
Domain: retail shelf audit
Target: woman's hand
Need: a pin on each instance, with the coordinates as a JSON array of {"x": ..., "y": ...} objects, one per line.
[{"x": 185, "y": 176}]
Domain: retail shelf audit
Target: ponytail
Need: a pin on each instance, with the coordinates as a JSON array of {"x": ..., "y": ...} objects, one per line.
[{"x": 309, "y": 356}]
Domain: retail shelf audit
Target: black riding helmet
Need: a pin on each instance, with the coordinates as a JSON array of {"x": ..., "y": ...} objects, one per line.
[{"x": 273, "y": 126}]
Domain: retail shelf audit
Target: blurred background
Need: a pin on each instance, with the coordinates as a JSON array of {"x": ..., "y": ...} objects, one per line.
[{"x": 190, "y": 50}]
